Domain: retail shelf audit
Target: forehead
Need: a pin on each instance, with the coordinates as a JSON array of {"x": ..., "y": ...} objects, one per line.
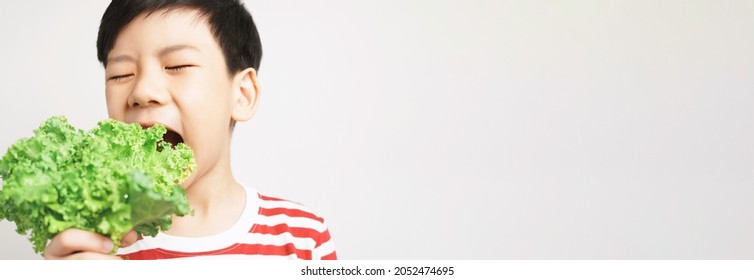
[{"x": 163, "y": 28}]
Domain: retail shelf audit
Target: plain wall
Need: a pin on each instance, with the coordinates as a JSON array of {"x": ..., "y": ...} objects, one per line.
[{"x": 464, "y": 129}]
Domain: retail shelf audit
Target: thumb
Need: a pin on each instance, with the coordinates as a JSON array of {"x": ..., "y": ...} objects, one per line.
[{"x": 130, "y": 238}]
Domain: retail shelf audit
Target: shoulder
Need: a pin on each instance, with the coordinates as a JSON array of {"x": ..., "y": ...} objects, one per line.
[
  {"x": 270, "y": 206},
  {"x": 282, "y": 217}
]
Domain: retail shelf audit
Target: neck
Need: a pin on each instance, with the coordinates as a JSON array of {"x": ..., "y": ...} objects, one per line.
[
  {"x": 215, "y": 185},
  {"x": 216, "y": 199}
]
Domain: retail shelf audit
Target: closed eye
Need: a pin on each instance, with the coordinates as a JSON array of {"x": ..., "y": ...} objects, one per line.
[
  {"x": 119, "y": 77},
  {"x": 178, "y": 67}
]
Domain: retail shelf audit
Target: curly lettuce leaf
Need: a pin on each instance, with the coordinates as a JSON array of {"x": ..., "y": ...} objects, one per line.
[{"x": 109, "y": 180}]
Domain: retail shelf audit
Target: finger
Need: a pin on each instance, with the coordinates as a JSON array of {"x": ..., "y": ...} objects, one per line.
[
  {"x": 75, "y": 240},
  {"x": 129, "y": 239}
]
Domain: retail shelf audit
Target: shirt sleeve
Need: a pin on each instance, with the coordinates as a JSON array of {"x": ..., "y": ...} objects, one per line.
[{"x": 325, "y": 247}]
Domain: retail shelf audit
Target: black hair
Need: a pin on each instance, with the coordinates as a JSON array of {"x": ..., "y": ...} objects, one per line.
[{"x": 230, "y": 22}]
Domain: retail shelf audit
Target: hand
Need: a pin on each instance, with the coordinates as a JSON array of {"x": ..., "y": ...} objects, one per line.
[{"x": 76, "y": 244}]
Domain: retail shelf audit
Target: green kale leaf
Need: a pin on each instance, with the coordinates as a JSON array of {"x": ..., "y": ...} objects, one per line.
[{"x": 111, "y": 179}]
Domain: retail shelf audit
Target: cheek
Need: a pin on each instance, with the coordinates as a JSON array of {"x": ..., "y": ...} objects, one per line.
[
  {"x": 115, "y": 105},
  {"x": 207, "y": 102}
]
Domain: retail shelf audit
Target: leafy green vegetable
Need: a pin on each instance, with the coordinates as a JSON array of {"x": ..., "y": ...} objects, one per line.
[{"x": 108, "y": 180}]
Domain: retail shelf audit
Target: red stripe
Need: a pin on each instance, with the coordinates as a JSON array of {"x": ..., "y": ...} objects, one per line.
[
  {"x": 331, "y": 256},
  {"x": 295, "y": 231},
  {"x": 269, "y": 198},
  {"x": 290, "y": 213},
  {"x": 240, "y": 249},
  {"x": 283, "y": 228},
  {"x": 325, "y": 236}
]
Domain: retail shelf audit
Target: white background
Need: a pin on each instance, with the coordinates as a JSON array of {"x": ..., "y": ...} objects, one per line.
[{"x": 464, "y": 129}]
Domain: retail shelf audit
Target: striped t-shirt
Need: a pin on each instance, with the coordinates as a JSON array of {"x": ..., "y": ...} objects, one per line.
[{"x": 269, "y": 228}]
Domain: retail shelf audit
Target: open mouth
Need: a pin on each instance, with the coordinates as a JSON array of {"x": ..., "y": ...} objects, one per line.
[{"x": 172, "y": 137}]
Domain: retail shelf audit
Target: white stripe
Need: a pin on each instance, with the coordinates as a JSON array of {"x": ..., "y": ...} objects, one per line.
[
  {"x": 181, "y": 244},
  {"x": 188, "y": 244},
  {"x": 291, "y": 221},
  {"x": 215, "y": 244},
  {"x": 323, "y": 250},
  {"x": 270, "y": 204},
  {"x": 283, "y": 239}
]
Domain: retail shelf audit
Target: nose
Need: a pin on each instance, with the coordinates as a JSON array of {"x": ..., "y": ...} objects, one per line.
[{"x": 148, "y": 91}]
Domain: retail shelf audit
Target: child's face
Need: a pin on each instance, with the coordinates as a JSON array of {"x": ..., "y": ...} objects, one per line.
[{"x": 168, "y": 69}]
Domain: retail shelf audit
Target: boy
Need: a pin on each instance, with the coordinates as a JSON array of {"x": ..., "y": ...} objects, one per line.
[{"x": 192, "y": 65}]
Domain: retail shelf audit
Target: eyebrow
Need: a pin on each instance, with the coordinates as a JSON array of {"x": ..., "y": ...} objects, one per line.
[
  {"x": 163, "y": 52},
  {"x": 167, "y": 50}
]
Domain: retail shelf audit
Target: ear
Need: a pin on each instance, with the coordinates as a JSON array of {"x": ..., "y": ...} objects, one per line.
[{"x": 245, "y": 95}]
